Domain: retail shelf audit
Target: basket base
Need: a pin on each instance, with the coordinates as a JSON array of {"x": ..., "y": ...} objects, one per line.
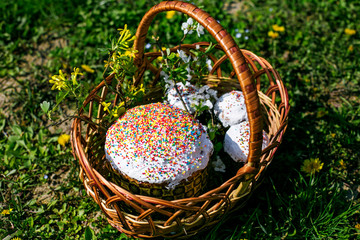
[{"x": 190, "y": 187}]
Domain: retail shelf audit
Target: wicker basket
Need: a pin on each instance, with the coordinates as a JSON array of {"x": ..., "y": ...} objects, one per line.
[{"x": 142, "y": 216}]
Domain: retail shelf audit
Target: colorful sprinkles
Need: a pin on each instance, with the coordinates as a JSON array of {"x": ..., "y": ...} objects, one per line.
[{"x": 157, "y": 142}]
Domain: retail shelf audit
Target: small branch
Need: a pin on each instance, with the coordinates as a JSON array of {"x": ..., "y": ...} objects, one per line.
[
  {"x": 181, "y": 99},
  {"x": 69, "y": 117}
]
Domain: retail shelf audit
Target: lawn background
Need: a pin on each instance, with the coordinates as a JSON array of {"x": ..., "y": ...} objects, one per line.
[{"x": 319, "y": 64}]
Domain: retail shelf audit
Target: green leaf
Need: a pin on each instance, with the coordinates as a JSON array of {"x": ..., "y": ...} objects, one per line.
[
  {"x": 27, "y": 163},
  {"x": 22, "y": 143},
  {"x": 61, "y": 96},
  {"x": 89, "y": 234},
  {"x": 211, "y": 135},
  {"x": 11, "y": 172},
  {"x": 172, "y": 55},
  {"x": 2, "y": 124},
  {"x": 51, "y": 203},
  {"x": 81, "y": 212},
  {"x": 45, "y": 106},
  {"x": 210, "y": 47},
  {"x": 218, "y": 146},
  {"x": 31, "y": 222},
  {"x": 13, "y": 139},
  {"x": 30, "y": 202},
  {"x": 17, "y": 130}
]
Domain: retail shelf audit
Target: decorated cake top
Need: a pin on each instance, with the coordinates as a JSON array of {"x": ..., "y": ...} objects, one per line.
[
  {"x": 158, "y": 143},
  {"x": 231, "y": 109}
]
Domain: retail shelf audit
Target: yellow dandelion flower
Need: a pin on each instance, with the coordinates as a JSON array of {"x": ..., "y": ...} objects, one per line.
[
  {"x": 16, "y": 238},
  {"x": 170, "y": 14},
  {"x": 357, "y": 226},
  {"x": 312, "y": 165},
  {"x": 342, "y": 164},
  {"x": 333, "y": 135},
  {"x": 273, "y": 35},
  {"x": 6, "y": 211},
  {"x": 351, "y": 48},
  {"x": 87, "y": 68},
  {"x": 278, "y": 28},
  {"x": 118, "y": 110},
  {"x": 106, "y": 106},
  {"x": 161, "y": 58},
  {"x": 125, "y": 37},
  {"x": 349, "y": 31},
  {"x": 163, "y": 49},
  {"x": 114, "y": 113},
  {"x": 74, "y": 75},
  {"x": 63, "y": 139},
  {"x": 59, "y": 81},
  {"x": 130, "y": 52}
]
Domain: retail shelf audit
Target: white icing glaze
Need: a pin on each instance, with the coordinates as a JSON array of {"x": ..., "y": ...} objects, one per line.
[
  {"x": 231, "y": 109},
  {"x": 236, "y": 142},
  {"x": 158, "y": 143}
]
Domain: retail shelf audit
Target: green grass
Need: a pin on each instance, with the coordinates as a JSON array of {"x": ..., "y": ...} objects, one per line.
[{"x": 39, "y": 178}]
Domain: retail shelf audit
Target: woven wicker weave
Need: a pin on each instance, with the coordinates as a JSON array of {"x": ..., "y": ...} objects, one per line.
[{"x": 142, "y": 216}]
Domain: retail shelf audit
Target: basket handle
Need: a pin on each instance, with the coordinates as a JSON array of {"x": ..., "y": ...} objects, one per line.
[{"x": 231, "y": 49}]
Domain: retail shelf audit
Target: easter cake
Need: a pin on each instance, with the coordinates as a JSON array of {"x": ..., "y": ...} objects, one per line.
[
  {"x": 230, "y": 108},
  {"x": 236, "y": 142},
  {"x": 159, "y": 150}
]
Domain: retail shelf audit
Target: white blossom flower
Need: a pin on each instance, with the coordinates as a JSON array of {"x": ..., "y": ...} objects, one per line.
[
  {"x": 246, "y": 37},
  {"x": 168, "y": 82},
  {"x": 192, "y": 96},
  {"x": 209, "y": 104},
  {"x": 197, "y": 47},
  {"x": 204, "y": 88},
  {"x": 212, "y": 93},
  {"x": 188, "y": 69},
  {"x": 183, "y": 56},
  {"x": 208, "y": 62},
  {"x": 163, "y": 74},
  {"x": 218, "y": 165},
  {"x": 147, "y": 46},
  {"x": 238, "y": 35},
  {"x": 187, "y": 84},
  {"x": 199, "y": 29},
  {"x": 186, "y": 26},
  {"x": 190, "y": 21}
]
